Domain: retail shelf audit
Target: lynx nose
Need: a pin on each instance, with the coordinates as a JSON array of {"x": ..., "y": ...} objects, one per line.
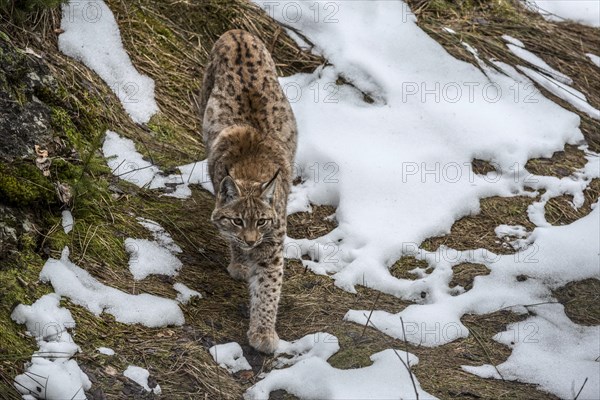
[{"x": 251, "y": 238}]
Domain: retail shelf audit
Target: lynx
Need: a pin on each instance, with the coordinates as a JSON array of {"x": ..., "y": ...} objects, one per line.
[{"x": 249, "y": 132}]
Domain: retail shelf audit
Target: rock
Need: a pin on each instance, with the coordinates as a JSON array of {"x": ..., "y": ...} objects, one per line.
[
  {"x": 13, "y": 224},
  {"x": 25, "y": 121}
]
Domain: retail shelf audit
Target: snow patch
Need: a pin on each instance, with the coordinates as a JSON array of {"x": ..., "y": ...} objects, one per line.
[
  {"x": 51, "y": 371},
  {"x": 129, "y": 165},
  {"x": 551, "y": 351},
  {"x": 140, "y": 376},
  {"x": 91, "y": 35},
  {"x": 147, "y": 258},
  {"x": 83, "y": 289},
  {"x": 153, "y": 257},
  {"x": 106, "y": 351},
  {"x": 512, "y": 40},
  {"x": 185, "y": 294},
  {"x": 594, "y": 58},
  {"x": 545, "y": 266},
  {"x": 67, "y": 221},
  {"x": 585, "y": 12},
  {"x": 531, "y": 58},
  {"x": 565, "y": 92},
  {"x": 160, "y": 235},
  {"x": 387, "y": 378},
  {"x": 409, "y": 149},
  {"x": 321, "y": 345},
  {"x": 230, "y": 356},
  {"x": 508, "y": 232}
]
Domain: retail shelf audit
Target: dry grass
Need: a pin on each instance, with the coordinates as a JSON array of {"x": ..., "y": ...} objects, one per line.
[
  {"x": 561, "y": 164},
  {"x": 581, "y": 301},
  {"x": 464, "y": 274},
  {"x": 477, "y": 231},
  {"x": 170, "y": 43},
  {"x": 401, "y": 268},
  {"x": 313, "y": 224},
  {"x": 560, "y": 210}
]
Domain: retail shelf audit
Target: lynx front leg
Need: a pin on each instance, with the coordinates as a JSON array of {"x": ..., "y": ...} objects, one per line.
[
  {"x": 265, "y": 290},
  {"x": 237, "y": 268}
]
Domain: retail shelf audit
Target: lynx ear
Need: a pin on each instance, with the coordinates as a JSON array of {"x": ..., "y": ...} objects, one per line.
[
  {"x": 268, "y": 189},
  {"x": 228, "y": 191}
]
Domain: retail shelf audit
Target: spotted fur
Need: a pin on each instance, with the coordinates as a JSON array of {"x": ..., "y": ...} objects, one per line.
[{"x": 250, "y": 134}]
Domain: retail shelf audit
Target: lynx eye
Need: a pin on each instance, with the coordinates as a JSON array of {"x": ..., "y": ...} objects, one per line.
[
  {"x": 261, "y": 222},
  {"x": 237, "y": 221}
]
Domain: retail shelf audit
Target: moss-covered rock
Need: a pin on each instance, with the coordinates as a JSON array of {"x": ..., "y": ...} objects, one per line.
[
  {"x": 24, "y": 185},
  {"x": 24, "y": 119}
]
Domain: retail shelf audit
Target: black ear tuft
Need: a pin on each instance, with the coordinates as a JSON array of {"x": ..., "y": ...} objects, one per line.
[
  {"x": 268, "y": 188},
  {"x": 228, "y": 191}
]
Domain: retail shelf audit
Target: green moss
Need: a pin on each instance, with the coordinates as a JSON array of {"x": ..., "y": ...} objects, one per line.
[
  {"x": 164, "y": 130},
  {"x": 19, "y": 11},
  {"x": 24, "y": 185},
  {"x": 63, "y": 125},
  {"x": 351, "y": 357},
  {"x": 155, "y": 24}
]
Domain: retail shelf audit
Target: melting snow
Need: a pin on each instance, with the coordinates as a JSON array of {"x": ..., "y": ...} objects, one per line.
[
  {"x": 321, "y": 345},
  {"x": 513, "y": 40},
  {"x": 185, "y": 293},
  {"x": 67, "y": 221},
  {"x": 91, "y": 35},
  {"x": 311, "y": 377},
  {"x": 585, "y": 12},
  {"x": 565, "y": 92},
  {"x": 129, "y": 165},
  {"x": 162, "y": 237},
  {"x": 51, "y": 372},
  {"x": 399, "y": 170},
  {"x": 140, "y": 376},
  {"x": 520, "y": 51},
  {"x": 106, "y": 351},
  {"x": 147, "y": 257},
  {"x": 545, "y": 263},
  {"x": 153, "y": 257},
  {"x": 594, "y": 58},
  {"x": 83, "y": 289},
  {"x": 410, "y": 149},
  {"x": 551, "y": 351},
  {"x": 507, "y": 232},
  {"x": 230, "y": 356}
]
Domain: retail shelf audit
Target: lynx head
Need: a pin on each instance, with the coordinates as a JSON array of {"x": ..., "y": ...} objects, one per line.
[{"x": 244, "y": 212}]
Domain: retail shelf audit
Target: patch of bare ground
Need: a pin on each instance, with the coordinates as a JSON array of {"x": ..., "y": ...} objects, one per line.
[
  {"x": 581, "y": 301},
  {"x": 561, "y": 211},
  {"x": 464, "y": 274},
  {"x": 561, "y": 164},
  {"x": 477, "y": 231},
  {"x": 402, "y": 268},
  {"x": 312, "y": 225}
]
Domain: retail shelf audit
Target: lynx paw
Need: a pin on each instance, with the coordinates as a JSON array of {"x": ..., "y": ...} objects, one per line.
[
  {"x": 263, "y": 340},
  {"x": 238, "y": 271}
]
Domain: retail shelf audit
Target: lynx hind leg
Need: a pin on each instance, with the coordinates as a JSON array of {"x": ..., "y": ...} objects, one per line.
[
  {"x": 238, "y": 271},
  {"x": 265, "y": 291}
]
